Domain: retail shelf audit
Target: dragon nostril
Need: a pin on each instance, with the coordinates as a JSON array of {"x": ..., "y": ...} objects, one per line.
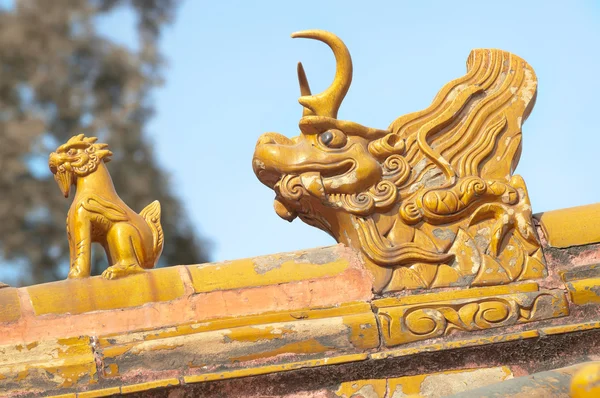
[
  {"x": 266, "y": 139},
  {"x": 274, "y": 139}
]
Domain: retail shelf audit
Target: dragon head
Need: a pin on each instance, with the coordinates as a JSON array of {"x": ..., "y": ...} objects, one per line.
[
  {"x": 78, "y": 157},
  {"x": 332, "y": 164},
  {"x": 413, "y": 196}
]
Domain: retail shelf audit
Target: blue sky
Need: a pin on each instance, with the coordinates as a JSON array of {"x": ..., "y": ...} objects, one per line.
[{"x": 232, "y": 75}]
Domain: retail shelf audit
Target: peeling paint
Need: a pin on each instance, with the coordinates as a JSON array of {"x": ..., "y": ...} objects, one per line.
[
  {"x": 254, "y": 334},
  {"x": 444, "y": 234},
  {"x": 311, "y": 346},
  {"x": 268, "y": 270}
]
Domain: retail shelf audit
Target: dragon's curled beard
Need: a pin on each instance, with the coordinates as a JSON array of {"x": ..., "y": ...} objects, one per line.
[
  {"x": 295, "y": 200},
  {"x": 293, "y": 190},
  {"x": 304, "y": 196}
]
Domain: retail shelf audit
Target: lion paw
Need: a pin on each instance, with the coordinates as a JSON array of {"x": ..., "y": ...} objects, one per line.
[
  {"x": 120, "y": 270},
  {"x": 77, "y": 273}
]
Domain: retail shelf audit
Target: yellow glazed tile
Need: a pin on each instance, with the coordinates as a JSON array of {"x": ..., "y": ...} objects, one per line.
[
  {"x": 577, "y": 327},
  {"x": 253, "y": 371},
  {"x": 10, "y": 307},
  {"x": 500, "y": 338},
  {"x": 59, "y": 364},
  {"x": 149, "y": 385},
  {"x": 586, "y": 381},
  {"x": 96, "y": 293},
  {"x": 303, "y": 339},
  {"x": 574, "y": 226},
  {"x": 481, "y": 292},
  {"x": 408, "y": 323},
  {"x": 344, "y": 310},
  {"x": 105, "y": 392},
  {"x": 451, "y": 382},
  {"x": 584, "y": 291},
  {"x": 580, "y": 272},
  {"x": 370, "y": 388},
  {"x": 267, "y": 270}
]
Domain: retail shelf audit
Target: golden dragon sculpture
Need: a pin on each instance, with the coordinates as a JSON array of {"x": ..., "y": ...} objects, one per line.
[
  {"x": 133, "y": 242},
  {"x": 431, "y": 201}
]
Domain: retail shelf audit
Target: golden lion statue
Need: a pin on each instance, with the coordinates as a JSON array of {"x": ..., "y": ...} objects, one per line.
[
  {"x": 430, "y": 201},
  {"x": 133, "y": 242}
]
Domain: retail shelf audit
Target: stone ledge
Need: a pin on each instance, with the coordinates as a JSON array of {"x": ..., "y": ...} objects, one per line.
[
  {"x": 187, "y": 325},
  {"x": 70, "y": 367},
  {"x": 74, "y": 297},
  {"x": 170, "y": 296}
]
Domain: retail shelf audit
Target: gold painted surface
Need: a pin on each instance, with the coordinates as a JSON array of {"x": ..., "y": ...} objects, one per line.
[
  {"x": 267, "y": 270},
  {"x": 455, "y": 344},
  {"x": 133, "y": 242},
  {"x": 254, "y": 371},
  {"x": 96, "y": 293},
  {"x": 404, "y": 324},
  {"x": 126, "y": 389},
  {"x": 375, "y": 388},
  {"x": 580, "y": 272},
  {"x": 584, "y": 291},
  {"x": 329, "y": 359},
  {"x": 574, "y": 226},
  {"x": 339, "y": 359},
  {"x": 429, "y": 385},
  {"x": 362, "y": 330},
  {"x": 105, "y": 392},
  {"x": 576, "y": 327},
  {"x": 149, "y": 385},
  {"x": 408, "y": 386},
  {"x": 56, "y": 364},
  {"x": 586, "y": 381},
  {"x": 431, "y": 201},
  {"x": 442, "y": 384},
  {"x": 235, "y": 346},
  {"x": 10, "y": 306},
  {"x": 480, "y": 292},
  {"x": 344, "y": 311},
  {"x": 308, "y": 346},
  {"x": 582, "y": 283}
]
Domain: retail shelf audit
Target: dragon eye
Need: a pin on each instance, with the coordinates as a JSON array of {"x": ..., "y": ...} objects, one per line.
[
  {"x": 333, "y": 138},
  {"x": 71, "y": 152}
]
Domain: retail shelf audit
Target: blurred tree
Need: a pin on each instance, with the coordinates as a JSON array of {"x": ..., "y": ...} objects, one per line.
[{"x": 59, "y": 77}]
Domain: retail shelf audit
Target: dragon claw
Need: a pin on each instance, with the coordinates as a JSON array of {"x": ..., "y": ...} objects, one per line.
[
  {"x": 507, "y": 220},
  {"x": 502, "y": 227}
]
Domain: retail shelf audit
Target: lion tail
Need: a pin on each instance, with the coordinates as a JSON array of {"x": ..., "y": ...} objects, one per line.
[{"x": 151, "y": 214}]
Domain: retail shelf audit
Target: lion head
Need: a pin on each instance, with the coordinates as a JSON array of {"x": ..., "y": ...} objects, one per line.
[{"x": 78, "y": 157}]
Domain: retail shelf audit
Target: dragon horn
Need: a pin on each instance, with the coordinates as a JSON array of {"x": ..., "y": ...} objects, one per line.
[
  {"x": 328, "y": 102},
  {"x": 304, "y": 88}
]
